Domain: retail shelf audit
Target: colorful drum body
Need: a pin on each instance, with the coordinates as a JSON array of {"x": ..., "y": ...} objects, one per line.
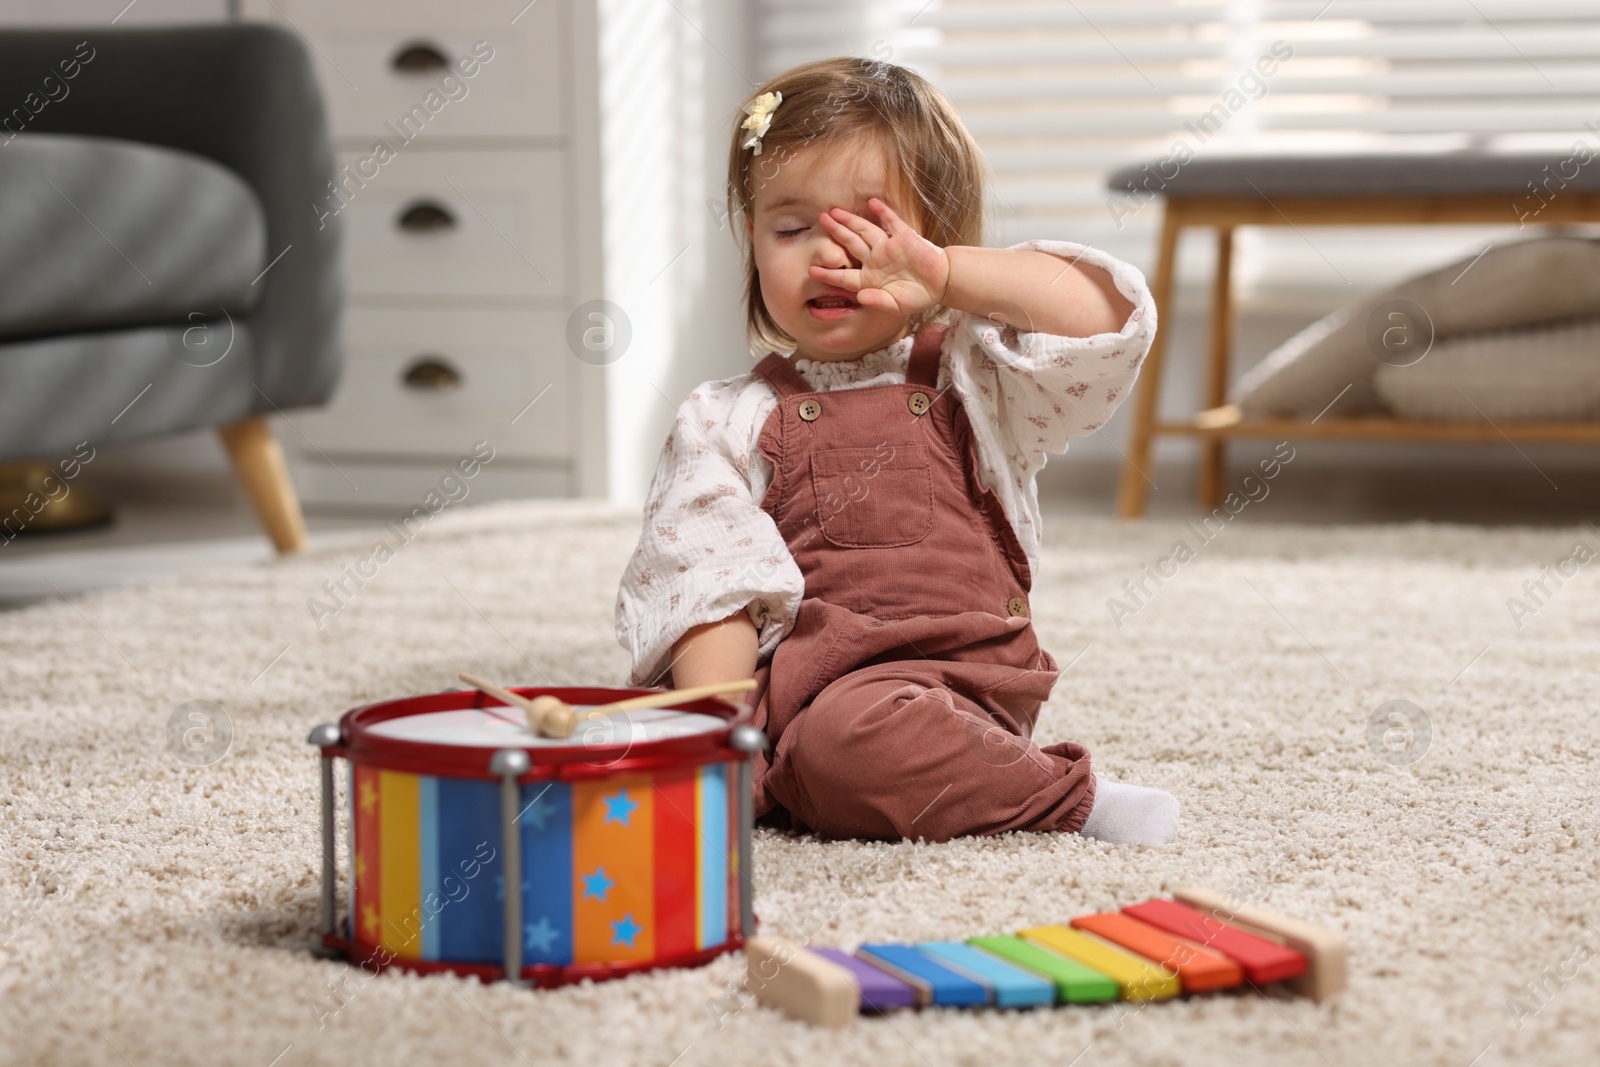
[{"x": 629, "y": 836}]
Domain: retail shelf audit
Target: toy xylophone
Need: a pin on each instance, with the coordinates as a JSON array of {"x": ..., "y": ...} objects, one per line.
[{"x": 1200, "y": 941}]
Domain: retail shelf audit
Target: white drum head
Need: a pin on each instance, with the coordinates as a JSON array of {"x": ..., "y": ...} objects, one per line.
[{"x": 501, "y": 727}]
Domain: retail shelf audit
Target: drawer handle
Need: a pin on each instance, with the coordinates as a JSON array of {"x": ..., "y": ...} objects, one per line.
[
  {"x": 426, "y": 216},
  {"x": 419, "y": 57},
  {"x": 431, "y": 374}
]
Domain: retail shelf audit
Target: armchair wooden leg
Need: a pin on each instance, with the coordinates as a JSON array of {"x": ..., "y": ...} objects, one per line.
[
  {"x": 1212, "y": 448},
  {"x": 1136, "y": 463},
  {"x": 258, "y": 461}
]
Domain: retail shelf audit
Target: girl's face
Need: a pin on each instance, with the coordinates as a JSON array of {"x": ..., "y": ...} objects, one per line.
[{"x": 790, "y": 190}]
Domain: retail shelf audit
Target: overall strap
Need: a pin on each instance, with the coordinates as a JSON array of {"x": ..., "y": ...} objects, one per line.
[
  {"x": 923, "y": 368},
  {"x": 781, "y": 375}
]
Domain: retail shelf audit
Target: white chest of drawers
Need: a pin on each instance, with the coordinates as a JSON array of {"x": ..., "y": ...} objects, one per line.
[{"x": 468, "y": 188}]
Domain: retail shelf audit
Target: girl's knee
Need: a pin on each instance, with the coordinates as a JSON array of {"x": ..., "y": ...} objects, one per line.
[
  {"x": 867, "y": 703},
  {"x": 843, "y": 733}
]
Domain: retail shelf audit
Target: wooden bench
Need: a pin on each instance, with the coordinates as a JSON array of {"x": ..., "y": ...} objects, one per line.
[{"x": 1409, "y": 189}]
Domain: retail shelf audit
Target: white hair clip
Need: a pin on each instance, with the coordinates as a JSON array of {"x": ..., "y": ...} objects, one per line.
[{"x": 760, "y": 120}]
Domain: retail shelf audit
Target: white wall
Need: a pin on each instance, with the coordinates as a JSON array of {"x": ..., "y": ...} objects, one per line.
[{"x": 672, "y": 77}]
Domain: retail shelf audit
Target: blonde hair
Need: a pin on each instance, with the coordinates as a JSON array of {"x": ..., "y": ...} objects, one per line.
[{"x": 927, "y": 149}]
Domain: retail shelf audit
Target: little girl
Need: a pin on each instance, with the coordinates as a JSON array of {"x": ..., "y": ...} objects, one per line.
[{"x": 855, "y": 524}]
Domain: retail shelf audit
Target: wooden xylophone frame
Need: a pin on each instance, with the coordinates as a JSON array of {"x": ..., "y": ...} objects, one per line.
[
  {"x": 512, "y": 767},
  {"x": 832, "y": 992}
]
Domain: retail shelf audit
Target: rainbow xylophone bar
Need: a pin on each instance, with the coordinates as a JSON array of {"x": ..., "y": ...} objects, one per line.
[{"x": 1199, "y": 941}]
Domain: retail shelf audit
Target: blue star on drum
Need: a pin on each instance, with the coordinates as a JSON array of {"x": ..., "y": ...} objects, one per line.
[
  {"x": 539, "y": 937},
  {"x": 625, "y": 930},
  {"x": 619, "y": 807},
  {"x": 597, "y": 885}
]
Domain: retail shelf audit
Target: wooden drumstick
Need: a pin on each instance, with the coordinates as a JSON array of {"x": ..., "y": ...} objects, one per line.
[
  {"x": 671, "y": 697},
  {"x": 546, "y": 715},
  {"x": 552, "y": 717}
]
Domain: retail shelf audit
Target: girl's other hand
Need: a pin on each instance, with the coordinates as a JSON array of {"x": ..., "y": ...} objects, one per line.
[{"x": 901, "y": 271}]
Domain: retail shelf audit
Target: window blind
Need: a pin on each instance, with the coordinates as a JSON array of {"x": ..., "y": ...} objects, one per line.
[{"x": 1058, "y": 93}]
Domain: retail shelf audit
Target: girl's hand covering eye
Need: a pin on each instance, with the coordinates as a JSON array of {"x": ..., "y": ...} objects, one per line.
[{"x": 901, "y": 271}]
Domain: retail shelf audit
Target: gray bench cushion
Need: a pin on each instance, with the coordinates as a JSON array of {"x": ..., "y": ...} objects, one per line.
[
  {"x": 1410, "y": 173},
  {"x": 104, "y": 233}
]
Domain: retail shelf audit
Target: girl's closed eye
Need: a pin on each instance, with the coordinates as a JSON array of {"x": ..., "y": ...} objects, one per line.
[{"x": 784, "y": 235}]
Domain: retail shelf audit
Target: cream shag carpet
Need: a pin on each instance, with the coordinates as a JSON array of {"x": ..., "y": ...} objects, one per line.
[{"x": 159, "y": 912}]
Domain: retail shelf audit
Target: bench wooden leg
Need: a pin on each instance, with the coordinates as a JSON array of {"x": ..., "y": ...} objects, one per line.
[
  {"x": 258, "y": 462},
  {"x": 1213, "y": 449},
  {"x": 1136, "y": 467}
]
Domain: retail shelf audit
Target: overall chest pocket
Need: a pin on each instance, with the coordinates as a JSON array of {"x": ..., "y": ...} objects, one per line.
[{"x": 880, "y": 497}]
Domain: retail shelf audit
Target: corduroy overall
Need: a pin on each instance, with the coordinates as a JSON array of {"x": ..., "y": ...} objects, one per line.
[{"x": 902, "y": 703}]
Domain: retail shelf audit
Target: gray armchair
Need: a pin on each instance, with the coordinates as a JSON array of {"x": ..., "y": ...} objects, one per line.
[{"x": 164, "y": 264}]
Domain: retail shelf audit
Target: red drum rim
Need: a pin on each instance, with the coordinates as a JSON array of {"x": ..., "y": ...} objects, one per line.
[
  {"x": 539, "y": 975},
  {"x": 360, "y": 745}
]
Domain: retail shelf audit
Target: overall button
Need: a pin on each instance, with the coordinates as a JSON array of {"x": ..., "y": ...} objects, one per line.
[
  {"x": 810, "y": 410},
  {"x": 918, "y": 403},
  {"x": 1017, "y": 606}
]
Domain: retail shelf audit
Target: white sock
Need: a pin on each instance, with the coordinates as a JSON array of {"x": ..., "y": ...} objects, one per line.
[{"x": 1131, "y": 815}]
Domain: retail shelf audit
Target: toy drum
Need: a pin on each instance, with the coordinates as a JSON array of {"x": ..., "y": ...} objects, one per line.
[{"x": 479, "y": 847}]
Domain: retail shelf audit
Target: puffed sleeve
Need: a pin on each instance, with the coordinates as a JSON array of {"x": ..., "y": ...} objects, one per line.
[
  {"x": 707, "y": 549},
  {"x": 1033, "y": 391}
]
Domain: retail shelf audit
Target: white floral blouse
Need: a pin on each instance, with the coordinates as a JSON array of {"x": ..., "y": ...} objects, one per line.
[{"x": 708, "y": 550}]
